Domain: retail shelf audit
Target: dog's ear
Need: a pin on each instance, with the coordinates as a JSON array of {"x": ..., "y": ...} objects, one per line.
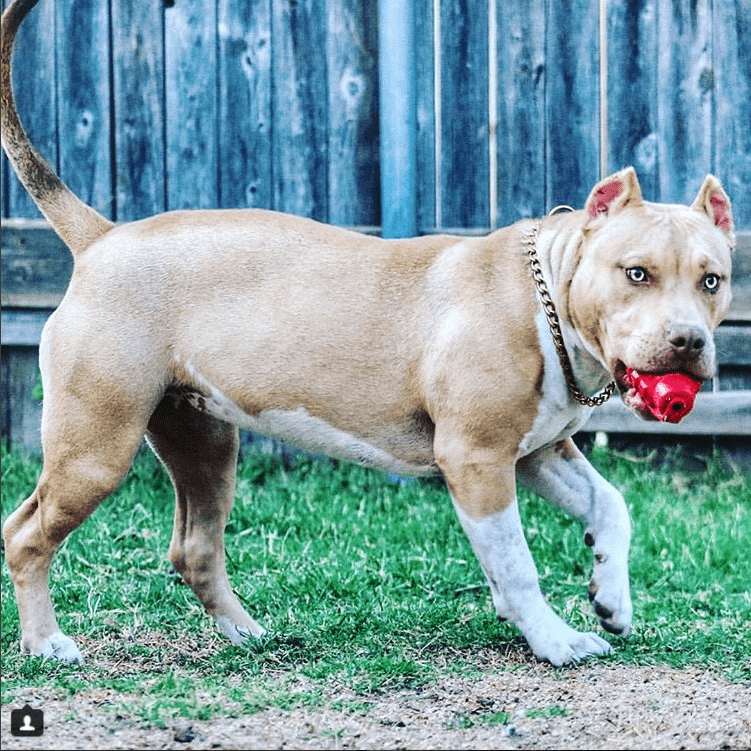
[
  {"x": 714, "y": 202},
  {"x": 614, "y": 193}
]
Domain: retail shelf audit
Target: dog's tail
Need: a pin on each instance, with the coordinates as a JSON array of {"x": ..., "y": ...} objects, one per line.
[{"x": 77, "y": 224}]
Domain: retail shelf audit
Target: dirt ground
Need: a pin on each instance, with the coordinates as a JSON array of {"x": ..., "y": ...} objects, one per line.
[{"x": 530, "y": 707}]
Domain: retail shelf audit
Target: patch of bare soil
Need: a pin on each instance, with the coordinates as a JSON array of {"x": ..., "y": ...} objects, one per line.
[{"x": 530, "y": 707}]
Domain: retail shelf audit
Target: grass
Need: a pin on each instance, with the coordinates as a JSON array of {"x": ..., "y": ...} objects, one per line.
[{"x": 369, "y": 583}]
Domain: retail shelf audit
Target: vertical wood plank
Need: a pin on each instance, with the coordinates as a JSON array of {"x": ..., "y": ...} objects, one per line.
[
  {"x": 572, "y": 110},
  {"x": 684, "y": 96},
  {"x": 138, "y": 68},
  {"x": 732, "y": 93},
  {"x": 34, "y": 84},
  {"x": 353, "y": 170},
  {"x": 521, "y": 110},
  {"x": 191, "y": 105},
  {"x": 83, "y": 88},
  {"x": 4, "y": 167},
  {"x": 300, "y": 107},
  {"x": 632, "y": 91},
  {"x": 4, "y": 182},
  {"x": 245, "y": 144},
  {"x": 21, "y": 411},
  {"x": 425, "y": 114},
  {"x": 464, "y": 104},
  {"x": 6, "y": 408}
]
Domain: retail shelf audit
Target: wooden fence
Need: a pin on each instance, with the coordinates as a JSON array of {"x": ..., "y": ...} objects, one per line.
[
  {"x": 146, "y": 105},
  {"x": 151, "y": 105}
]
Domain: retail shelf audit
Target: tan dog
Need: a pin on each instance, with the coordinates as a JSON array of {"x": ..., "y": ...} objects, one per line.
[{"x": 416, "y": 356}]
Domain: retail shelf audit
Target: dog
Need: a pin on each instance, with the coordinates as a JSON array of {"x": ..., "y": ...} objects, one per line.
[{"x": 472, "y": 358}]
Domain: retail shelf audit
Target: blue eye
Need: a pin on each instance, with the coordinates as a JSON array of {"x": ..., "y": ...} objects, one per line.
[
  {"x": 637, "y": 275},
  {"x": 711, "y": 283}
]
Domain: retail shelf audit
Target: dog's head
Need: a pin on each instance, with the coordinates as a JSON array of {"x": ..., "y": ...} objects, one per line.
[{"x": 651, "y": 281}]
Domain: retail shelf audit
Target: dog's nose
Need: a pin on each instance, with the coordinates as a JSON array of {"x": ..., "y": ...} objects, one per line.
[{"x": 686, "y": 340}]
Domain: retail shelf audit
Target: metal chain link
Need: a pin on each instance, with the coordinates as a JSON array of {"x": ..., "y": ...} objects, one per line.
[{"x": 555, "y": 327}]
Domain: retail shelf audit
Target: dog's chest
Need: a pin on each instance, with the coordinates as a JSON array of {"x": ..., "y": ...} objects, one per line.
[{"x": 557, "y": 415}]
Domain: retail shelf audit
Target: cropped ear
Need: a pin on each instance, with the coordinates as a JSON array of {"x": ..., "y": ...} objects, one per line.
[
  {"x": 614, "y": 193},
  {"x": 714, "y": 202}
]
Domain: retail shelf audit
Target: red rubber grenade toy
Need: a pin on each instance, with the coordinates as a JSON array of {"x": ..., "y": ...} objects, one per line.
[{"x": 669, "y": 396}]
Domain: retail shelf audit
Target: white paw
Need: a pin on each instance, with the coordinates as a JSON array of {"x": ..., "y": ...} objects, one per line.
[
  {"x": 239, "y": 634},
  {"x": 559, "y": 644},
  {"x": 611, "y": 599},
  {"x": 60, "y": 647}
]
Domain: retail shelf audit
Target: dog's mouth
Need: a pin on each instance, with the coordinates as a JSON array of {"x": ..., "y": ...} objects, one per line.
[
  {"x": 629, "y": 394},
  {"x": 664, "y": 396}
]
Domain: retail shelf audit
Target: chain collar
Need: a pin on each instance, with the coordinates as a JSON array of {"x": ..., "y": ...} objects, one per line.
[{"x": 555, "y": 324}]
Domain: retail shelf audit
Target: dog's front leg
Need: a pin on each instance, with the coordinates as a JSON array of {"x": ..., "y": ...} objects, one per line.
[
  {"x": 561, "y": 474},
  {"x": 482, "y": 486}
]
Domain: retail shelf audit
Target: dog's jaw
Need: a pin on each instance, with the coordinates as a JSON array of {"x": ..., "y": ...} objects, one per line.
[{"x": 629, "y": 394}]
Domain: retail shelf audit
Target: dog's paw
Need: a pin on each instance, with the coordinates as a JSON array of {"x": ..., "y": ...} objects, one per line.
[
  {"x": 559, "y": 644},
  {"x": 572, "y": 646},
  {"x": 58, "y": 646},
  {"x": 611, "y": 601},
  {"x": 239, "y": 634},
  {"x": 583, "y": 645}
]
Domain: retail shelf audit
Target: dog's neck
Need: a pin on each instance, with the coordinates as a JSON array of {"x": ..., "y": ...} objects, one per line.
[{"x": 584, "y": 372}]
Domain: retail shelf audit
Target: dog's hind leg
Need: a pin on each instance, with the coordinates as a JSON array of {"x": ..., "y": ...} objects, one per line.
[
  {"x": 89, "y": 441},
  {"x": 200, "y": 454}
]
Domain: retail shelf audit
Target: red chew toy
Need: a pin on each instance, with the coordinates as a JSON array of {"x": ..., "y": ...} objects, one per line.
[{"x": 669, "y": 397}]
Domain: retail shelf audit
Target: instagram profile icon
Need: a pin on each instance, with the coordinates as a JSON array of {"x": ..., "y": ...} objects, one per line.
[{"x": 26, "y": 722}]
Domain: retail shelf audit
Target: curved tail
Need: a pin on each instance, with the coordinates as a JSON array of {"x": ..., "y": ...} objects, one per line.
[{"x": 77, "y": 224}]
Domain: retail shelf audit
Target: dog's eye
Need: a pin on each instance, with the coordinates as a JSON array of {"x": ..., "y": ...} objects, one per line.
[
  {"x": 711, "y": 283},
  {"x": 637, "y": 275}
]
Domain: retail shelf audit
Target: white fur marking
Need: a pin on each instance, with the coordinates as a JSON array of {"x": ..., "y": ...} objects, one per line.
[
  {"x": 62, "y": 648},
  {"x": 558, "y": 416},
  {"x": 236, "y": 634},
  {"x": 498, "y": 542},
  {"x": 574, "y": 485}
]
